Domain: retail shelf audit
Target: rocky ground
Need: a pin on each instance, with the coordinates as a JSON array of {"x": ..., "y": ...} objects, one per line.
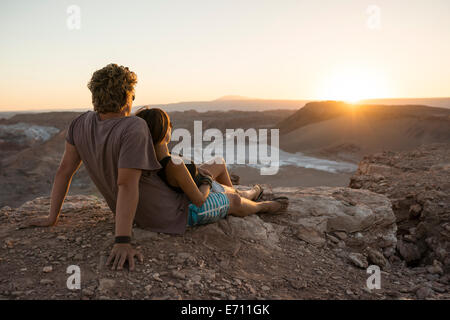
[
  {"x": 319, "y": 249},
  {"x": 395, "y": 215},
  {"x": 418, "y": 185}
]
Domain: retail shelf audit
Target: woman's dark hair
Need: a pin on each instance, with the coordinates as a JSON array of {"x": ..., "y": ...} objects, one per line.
[{"x": 158, "y": 122}]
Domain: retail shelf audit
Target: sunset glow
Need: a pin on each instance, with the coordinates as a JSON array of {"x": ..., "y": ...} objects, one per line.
[
  {"x": 202, "y": 50},
  {"x": 352, "y": 84}
]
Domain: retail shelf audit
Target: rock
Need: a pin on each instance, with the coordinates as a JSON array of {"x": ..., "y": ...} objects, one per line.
[
  {"x": 254, "y": 228},
  {"x": 360, "y": 218},
  {"x": 183, "y": 257},
  {"x": 310, "y": 235},
  {"x": 341, "y": 235},
  {"x": 46, "y": 281},
  {"x": 415, "y": 209},
  {"x": 78, "y": 257},
  {"x": 333, "y": 238},
  {"x": 436, "y": 268},
  {"x": 388, "y": 252},
  {"x": 218, "y": 293},
  {"x": 87, "y": 292},
  {"x": 196, "y": 278},
  {"x": 409, "y": 251},
  {"x": 26, "y": 134},
  {"x": 358, "y": 260},
  {"x": 105, "y": 285},
  {"x": 178, "y": 275},
  {"x": 47, "y": 269},
  {"x": 377, "y": 258},
  {"x": 142, "y": 234},
  {"x": 265, "y": 288},
  {"x": 424, "y": 292},
  {"x": 438, "y": 287},
  {"x": 134, "y": 293},
  {"x": 156, "y": 277},
  {"x": 9, "y": 243},
  {"x": 148, "y": 288}
]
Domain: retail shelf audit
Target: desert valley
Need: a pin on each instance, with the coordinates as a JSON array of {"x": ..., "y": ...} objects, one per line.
[
  {"x": 368, "y": 184},
  {"x": 321, "y": 143}
]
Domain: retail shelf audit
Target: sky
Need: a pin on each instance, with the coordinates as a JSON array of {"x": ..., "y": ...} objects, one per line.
[{"x": 201, "y": 50}]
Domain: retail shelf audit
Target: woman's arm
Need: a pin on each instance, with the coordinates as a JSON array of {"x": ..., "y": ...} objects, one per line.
[{"x": 180, "y": 174}]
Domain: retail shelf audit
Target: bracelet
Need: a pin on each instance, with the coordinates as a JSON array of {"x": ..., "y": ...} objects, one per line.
[
  {"x": 206, "y": 180},
  {"x": 122, "y": 239}
]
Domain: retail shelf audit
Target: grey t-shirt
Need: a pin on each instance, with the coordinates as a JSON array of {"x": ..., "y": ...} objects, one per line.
[{"x": 107, "y": 145}]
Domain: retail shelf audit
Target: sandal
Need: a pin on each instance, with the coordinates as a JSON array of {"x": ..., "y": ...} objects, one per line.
[
  {"x": 284, "y": 202},
  {"x": 259, "y": 196}
]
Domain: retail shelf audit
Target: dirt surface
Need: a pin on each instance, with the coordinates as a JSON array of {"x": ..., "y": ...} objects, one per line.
[{"x": 208, "y": 262}]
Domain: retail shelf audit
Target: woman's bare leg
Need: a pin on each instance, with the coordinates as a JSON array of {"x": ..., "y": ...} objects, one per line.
[
  {"x": 218, "y": 168},
  {"x": 242, "y": 207},
  {"x": 247, "y": 194}
]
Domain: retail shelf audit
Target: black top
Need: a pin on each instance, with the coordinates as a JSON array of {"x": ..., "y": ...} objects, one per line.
[{"x": 162, "y": 173}]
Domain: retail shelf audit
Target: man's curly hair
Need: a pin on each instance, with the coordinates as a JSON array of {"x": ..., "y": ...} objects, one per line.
[{"x": 111, "y": 87}]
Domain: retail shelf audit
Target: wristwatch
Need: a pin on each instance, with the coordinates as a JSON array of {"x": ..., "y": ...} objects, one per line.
[{"x": 122, "y": 239}]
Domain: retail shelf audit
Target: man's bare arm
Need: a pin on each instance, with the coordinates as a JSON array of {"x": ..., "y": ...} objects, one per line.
[
  {"x": 127, "y": 201},
  {"x": 69, "y": 164}
]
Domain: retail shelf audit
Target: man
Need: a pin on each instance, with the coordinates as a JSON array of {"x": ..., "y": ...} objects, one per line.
[{"x": 118, "y": 153}]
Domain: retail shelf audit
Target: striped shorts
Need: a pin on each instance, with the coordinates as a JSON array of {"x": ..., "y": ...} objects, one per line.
[{"x": 215, "y": 208}]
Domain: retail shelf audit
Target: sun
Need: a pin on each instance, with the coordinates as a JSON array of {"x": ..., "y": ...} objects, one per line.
[{"x": 353, "y": 84}]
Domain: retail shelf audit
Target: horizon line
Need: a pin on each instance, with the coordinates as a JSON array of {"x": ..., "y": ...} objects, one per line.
[{"x": 244, "y": 98}]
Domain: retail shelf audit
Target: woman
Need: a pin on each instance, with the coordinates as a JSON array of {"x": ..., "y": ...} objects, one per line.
[{"x": 196, "y": 183}]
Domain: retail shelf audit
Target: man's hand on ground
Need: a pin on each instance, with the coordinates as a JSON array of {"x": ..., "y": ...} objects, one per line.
[
  {"x": 42, "y": 221},
  {"x": 122, "y": 252}
]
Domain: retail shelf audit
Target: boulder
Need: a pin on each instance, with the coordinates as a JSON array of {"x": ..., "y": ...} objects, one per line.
[{"x": 360, "y": 218}]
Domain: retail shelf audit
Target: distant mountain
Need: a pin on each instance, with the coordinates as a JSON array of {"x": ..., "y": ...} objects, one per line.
[
  {"x": 432, "y": 102},
  {"x": 242, "y": 103},
  {"x": 234, "y": 103},
  {"x": 233, "y": 97},
  {"x": 314, "y": 112},
  {"x": 332, "y": 127}
]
